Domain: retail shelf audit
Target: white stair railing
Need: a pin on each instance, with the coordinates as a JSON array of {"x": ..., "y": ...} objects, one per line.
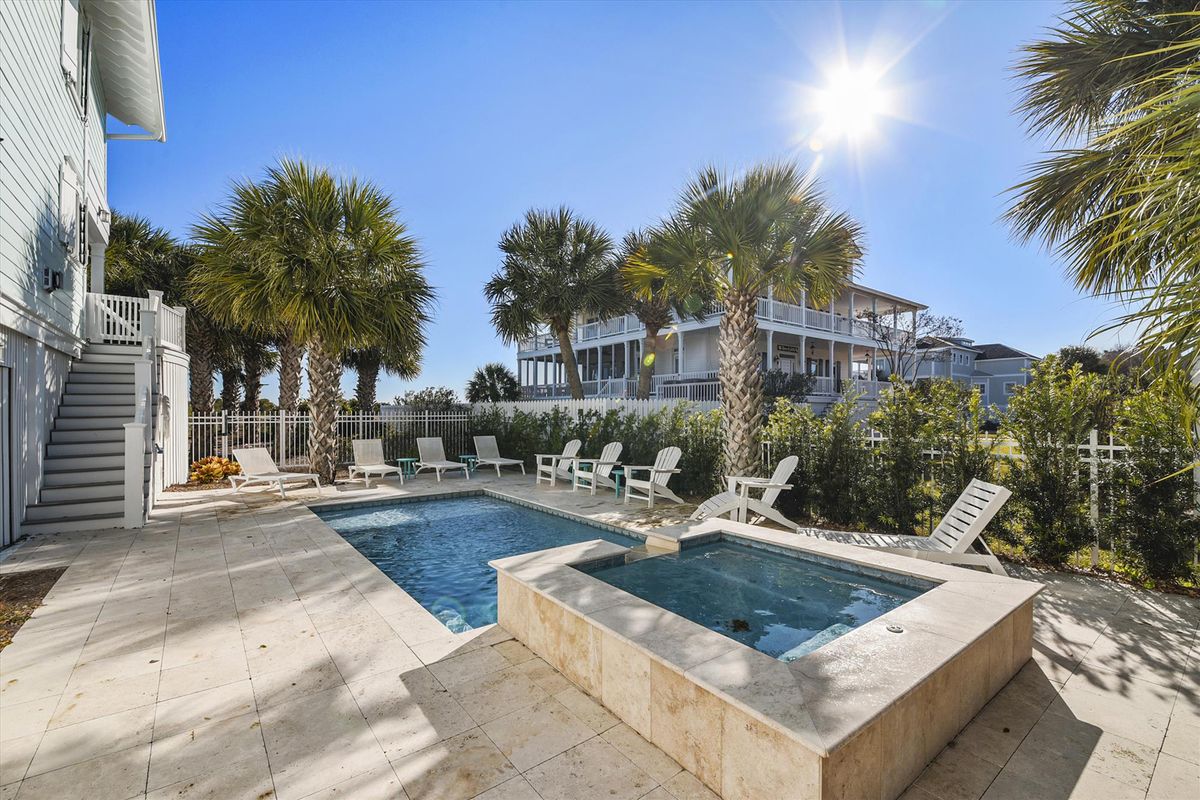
[{"x": 139, "y": 433}]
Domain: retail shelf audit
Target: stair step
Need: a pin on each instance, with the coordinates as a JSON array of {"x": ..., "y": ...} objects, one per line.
[
  {"x": 92, "y": 423},
  {"x": 114, "y": 378},
  {"x": 109, "y": 448},
  {"x": 109, "y": 490},
  {"x": 76, "y": 463},
  {"x": 74, "y": 477},
  {"x": 72, "y": 509},
  {"x": 105, "y": 367},
  {"x": 104, "y": 410},
  {"x": 97, "y": 389},
  {"x": 131, "y": 350},
  {"x": 88, "y": 522},
  {"x": 98, "y": 399},
  {"x": 89, "y": 357},
  {"x": 100, "y": 435}
]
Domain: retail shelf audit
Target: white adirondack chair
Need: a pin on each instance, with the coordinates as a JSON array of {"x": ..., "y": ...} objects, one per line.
[
  {"x": 369, "y": 460},
  {"x": 736, "y": 502},
  {"x": 656, "y": 484},
  {"x": 551, "y": 466},
  {"x": 487, "y": 453},
  {"x": 433, "y": 456},
  {"x": 258, "y": 467},
  {"x": 956, "y": 540},
  {"x": 599, "y": 470}
]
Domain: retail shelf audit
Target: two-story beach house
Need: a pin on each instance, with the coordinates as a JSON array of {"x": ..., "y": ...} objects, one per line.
[
  {"x": 90, "y": 383},
  {"x": 832, "y": 343},
  {"x": 995, "y": 370}
]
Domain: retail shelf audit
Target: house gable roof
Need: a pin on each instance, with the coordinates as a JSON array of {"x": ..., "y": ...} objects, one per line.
[{"x": 997, "y": 350}]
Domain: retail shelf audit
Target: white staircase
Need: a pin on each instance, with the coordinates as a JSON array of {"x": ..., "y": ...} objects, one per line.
[{"x": 83, "y": 484}]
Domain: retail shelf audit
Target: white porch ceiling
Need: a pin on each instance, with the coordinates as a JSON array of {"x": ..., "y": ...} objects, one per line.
[{"x": 125, "y": 38}]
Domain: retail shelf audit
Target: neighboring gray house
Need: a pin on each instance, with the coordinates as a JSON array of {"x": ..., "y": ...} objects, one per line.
[
  {"x": 76, "y": 364},
  {"x": 994, "y": 370}
]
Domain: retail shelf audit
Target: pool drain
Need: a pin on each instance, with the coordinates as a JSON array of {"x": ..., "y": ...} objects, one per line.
[{"x": 895, "y": 629}]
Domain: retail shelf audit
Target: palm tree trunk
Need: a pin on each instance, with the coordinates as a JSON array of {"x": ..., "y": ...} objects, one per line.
[
  {"x": 201, "y": 370},
  {"x": 741, "y": 382},
  {"x": 252, "y": 371},
  {"x": 290, "y": 353},
  {"x": 368, "y": 379},
  {"x": 324, "y": 377},
  {"x": 569, "y": 365},
  {"x": 231, "y": 390},
  {"x": 646, "y": 370}
]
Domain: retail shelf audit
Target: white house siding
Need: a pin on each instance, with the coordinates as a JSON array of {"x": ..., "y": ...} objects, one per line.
[{"x": 40, "y": 331}]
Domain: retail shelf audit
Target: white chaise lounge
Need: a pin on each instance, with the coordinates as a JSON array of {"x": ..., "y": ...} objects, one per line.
[
  {"x": 656, "y": 484},
  {"x": 258, "y": 467},
  {"x": 369, "y": 460},
  {"x": 593, "y": 472},
  {"x": 433, "y": 456},
  {"x": 551, "y": 466},
  {"x": 736, "y": 502},
  {"x": 956, "y": 540},
  {"x": 487, "y": 453}
]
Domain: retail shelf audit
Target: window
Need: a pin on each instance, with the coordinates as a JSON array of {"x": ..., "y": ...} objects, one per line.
[{"x": 1010, "y": 387}]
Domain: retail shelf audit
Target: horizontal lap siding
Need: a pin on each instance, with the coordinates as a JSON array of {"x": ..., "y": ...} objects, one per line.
[{"x": 40, "y": 126}]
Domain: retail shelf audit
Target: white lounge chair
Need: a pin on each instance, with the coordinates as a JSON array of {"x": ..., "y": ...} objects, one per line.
[
  {"x": 369, "y": 460},
  {"x": 956, "y": 540},
  {"x": 258, "y": 467},
  {"x": 598, "y": 470},
  {"x": 487, "y": 453},
  {"x": 737, "y": 503},
  {"x": 656, "y": 484},
  {"x": 551, "y": 466},
  {"x": 433, "y": 456}
]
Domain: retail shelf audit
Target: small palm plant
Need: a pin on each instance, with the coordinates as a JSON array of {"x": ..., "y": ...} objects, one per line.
[
  {"x": 324, "y": 259},
  {"x": 493, "y": 383},
  {"x": 556, "y": 266},
  {"x": 733, "y": 238}
]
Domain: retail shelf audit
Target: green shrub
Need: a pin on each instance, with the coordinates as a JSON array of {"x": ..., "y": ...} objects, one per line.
[
  {"x": 795, "y": 430},
  {"x": 898, "y": 462},
  {"x": 1153, "y": 522},
  {"x": 1049, "y": 418},
  {"x": 955, "y": 422},
  {"x": 212, "y": 469}
]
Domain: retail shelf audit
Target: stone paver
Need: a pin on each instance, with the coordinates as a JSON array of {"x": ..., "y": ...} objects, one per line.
[{"x": 237, "y": 647}]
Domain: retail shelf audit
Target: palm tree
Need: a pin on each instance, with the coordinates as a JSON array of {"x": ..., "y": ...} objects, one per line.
[
  {"x": 1119, "y": 80},
  {"x": 493, "y": 383},
  {"x": 367, "y": 362},
  {"x": 653, "y": 308},
  {"x": 326, "y": 259},
  {"x": 556, "y": 266},
  {"x": 733, "y": 238}
]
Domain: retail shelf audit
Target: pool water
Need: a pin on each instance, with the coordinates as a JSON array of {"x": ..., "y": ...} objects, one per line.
[
  {"x": 783, "y": 606},
  {"x": 438, "y": 550}
]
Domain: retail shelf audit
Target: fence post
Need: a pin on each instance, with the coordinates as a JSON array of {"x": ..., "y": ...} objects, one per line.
[
  {"x": 281, "y": 437},
  {"x": 1094, "y": 498},
  {"x": 224, "y": 434}
]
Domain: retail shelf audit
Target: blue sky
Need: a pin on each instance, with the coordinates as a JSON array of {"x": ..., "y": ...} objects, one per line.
[{"x": 468, "y": 114}]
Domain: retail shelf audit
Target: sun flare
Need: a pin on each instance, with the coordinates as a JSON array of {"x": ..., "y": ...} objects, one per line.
[{"x": 849, "y": 106}]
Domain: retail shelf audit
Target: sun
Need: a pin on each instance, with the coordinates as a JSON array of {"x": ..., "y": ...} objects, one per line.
[{"x": 849, "y": 105}]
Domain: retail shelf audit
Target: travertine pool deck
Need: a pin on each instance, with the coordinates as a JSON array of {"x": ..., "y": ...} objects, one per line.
[{"x": 237, "y": 647}]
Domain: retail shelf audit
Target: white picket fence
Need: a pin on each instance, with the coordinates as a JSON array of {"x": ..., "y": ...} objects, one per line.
[{"x": 286, "y": 435}]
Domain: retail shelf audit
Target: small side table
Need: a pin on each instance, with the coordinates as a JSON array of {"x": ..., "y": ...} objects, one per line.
[
  {"x": 408, "y": 466},
  {"x": 617, "y": 474},
  {"x": 469, "y": 460}
]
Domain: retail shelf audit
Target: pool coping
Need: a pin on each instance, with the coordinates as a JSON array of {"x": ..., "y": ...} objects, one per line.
[{"x": 823, "y": 700}]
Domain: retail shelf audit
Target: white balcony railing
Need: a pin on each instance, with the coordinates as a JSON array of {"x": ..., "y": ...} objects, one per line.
[{"x": 116, "y": 319}]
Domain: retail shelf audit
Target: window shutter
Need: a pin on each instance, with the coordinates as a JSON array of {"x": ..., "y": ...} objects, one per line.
[
  {"x": 70, "y": 40},
  {"x": 69, "y": 199}
]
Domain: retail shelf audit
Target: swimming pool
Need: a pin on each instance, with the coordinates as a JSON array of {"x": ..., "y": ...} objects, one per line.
[
  {"x": 438, "y": 550},
  {"x": 783, "y": 606}
]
